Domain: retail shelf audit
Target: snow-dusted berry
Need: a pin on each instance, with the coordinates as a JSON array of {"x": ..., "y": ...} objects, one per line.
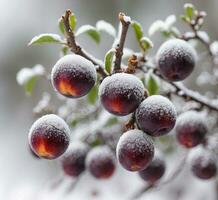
[
  {"x": 100, "y": 162},
  {"x": 121, "y": 93},
  {"x": 135, "y": 150},
  {"x": 73, "y": 76},
  {"x": 190, "y": 129},
  {"x": 176, "y": 59},
  {"x": 73, "y": 161},
  {"x": 156, "y": 115},
  {"x": 49, "y": 136},
  {"x": 154, "y": 171},
  {"x": 204, "y": 166}
]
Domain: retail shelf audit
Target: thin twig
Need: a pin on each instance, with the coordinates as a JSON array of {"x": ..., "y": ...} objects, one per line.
[
  {"x": 179, "y": 168},
  {"x": 75, "y": 48},
  {"x": 120, "y": 46}
]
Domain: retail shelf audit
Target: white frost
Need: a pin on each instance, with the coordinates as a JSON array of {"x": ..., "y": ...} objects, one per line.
[
  {"x": 107, "y": 27},
  {"x": 26, "y": 74}
]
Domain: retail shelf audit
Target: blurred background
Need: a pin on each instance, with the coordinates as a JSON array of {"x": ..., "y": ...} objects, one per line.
[{"x": 21, "y": 176}]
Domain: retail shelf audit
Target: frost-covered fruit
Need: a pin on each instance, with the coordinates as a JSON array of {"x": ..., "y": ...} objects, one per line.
[
  {"x": 73, "y": 76},
  {"x": 49, "y": 136},
  {"x": 100, "y": 162},
  {"x": 121, "y": 93},
  {"x": 156, "y": 115},
  {"x": 190, "y": 129},
  {"x": 204, "y": 166},
  {"x": 135, "y": 150},
  {"x": 73, "y": 160},
  {"x": 154, "y": 171},
  {"x": 176, "y": 59}
]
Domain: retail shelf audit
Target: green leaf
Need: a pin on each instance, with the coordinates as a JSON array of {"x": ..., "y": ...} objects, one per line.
[
  {"x": 138, "y": 30},
  {"x": 185, "y": 18},
  {"x": 189, "y": 10},
  {"x": 46, "y": 38},
  {"x": 152, "y": 84},
  {"x": 61, "y": 25},
  {"x": 146, "y": 43},
  {"x": 89, "y": 30},
  {"x": 64, "y": 50},
  {"x": 72, "y": 20},
  {"x": 106, "y": 27},
  {"x": 108, "y": 60},
  {"x": 29, "y": 85},
  {"x": 93, "y": 95},
  {"x": 111, "y": 121}
]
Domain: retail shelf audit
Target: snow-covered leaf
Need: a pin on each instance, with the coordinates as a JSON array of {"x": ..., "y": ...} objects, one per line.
[
  {"x": 138, "y": 30},
  {"x": 46, "y": 38},
  {"x": 155, "y": 27},
  {"x": 27, "y": 77},
  {"x": 146, "y": 43},
  {"x": 189, "y": 10},
  {"x": 89, "y": 30},
  {"x": 109, "y": 59},
  {"x": 106, "y": 27}
]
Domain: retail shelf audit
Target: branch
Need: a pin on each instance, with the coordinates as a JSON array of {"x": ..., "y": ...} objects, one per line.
[
  {"x": 174, "y": 175},
  {"x": 184, "y": 92},
  {"x": 125, "y": 21},
  {"x": 75, "y": 48}
]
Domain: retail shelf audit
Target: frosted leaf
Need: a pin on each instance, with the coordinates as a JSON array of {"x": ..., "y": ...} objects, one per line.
[
  {"x": 26, "y": 74},
  {"x": 156, "y": 27},
  {"x": 204, "y": 36},
  {"x": 162, "y": 26},
  {"x": 122, "y": 83},
  {"x": 214, "y": 48},
  {"x": 107, "y": 27},
  {"x": 188, "y": 5},
  {"x": 46, "y": 38},
  {"x": 54, "y": 125},
  {"x": 170, "y": 20}
]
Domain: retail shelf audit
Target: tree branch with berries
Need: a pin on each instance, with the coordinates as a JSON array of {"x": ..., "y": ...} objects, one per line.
[{"x": 123, "y": 83}]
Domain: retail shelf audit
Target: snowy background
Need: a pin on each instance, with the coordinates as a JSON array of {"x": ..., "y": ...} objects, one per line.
[{"x": 21, "y": 176}]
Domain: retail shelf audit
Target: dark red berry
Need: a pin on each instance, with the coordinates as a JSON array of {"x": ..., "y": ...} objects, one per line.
[
  {"x": 154, "y": 171},
  {"x": 121, "y": 93},
  {"x": 73, "y": 76},
  {"x": 100, "y": 162},
  {"x": 156, "y": 115},
  {"x": 204, "y": 166},
  {"x": 73, "y": 161},
  {"x": 49, "y": 136},
  {"x": 135, "y": 150},
  {"x": 190, "y": 129},
  {"x": 176, "y": 59}
]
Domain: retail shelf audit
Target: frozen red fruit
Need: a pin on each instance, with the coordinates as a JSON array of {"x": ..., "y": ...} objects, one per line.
[
  {"x": 121, "y": 93},
  {"x": 73, "y": 160},
  {"x": 135, "y": 150},
  {"x": 176, "y": 59},
  {"x": 100, "y": 162},
  {"x": 154, "y": 171},
  {"x": 204, "y": 166},
  {"x": 49, "y": 136},
  {"x": 73, "y": 76},
  {"x": 190, "y": 129},
  {"x": 156, "y": 115}
]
